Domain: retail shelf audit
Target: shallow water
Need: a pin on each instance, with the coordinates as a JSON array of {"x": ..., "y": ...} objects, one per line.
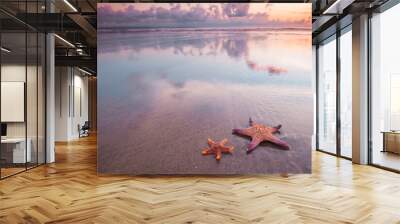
[{"x": 162, "y": 94}]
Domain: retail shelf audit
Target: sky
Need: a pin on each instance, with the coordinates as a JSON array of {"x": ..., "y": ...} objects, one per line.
[{"x": 156, "y": 15}]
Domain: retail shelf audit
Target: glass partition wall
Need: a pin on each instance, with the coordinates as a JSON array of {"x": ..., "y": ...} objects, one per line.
[
  {"x": 385, "y": 89},
  {"x": 334, "y": 93},
  {"x": 13, "y": 87},
  {"x": 22, "y": 89}
]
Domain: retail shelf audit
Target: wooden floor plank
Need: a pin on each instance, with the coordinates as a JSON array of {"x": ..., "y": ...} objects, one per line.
[{"x": 70, "y": 191}]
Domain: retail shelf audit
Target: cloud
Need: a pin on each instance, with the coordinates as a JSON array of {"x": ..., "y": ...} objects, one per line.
[
  {"x": 191, "y": 15},
  {"x": 156, "y": 14},
  {"x": 235, "y": 9},
  {"x": 105, "y": 10}
]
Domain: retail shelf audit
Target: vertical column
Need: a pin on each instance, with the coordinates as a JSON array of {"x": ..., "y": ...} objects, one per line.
[
  {"x": 50, "y": 92},
  {"x": 50, "y": 98},
  {"x": 360, "y": 89}
]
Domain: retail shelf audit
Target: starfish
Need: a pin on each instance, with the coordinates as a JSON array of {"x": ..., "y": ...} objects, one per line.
[
  {"x": 217, "y": 148},
  {"x": 260, "y": 133}
]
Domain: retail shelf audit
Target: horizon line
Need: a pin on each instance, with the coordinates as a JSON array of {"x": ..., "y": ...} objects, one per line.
[{"x": 202, "y": 28}]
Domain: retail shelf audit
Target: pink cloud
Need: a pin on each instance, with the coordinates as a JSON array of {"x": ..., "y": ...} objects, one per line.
[
  {"x": 235, "y": 9},
  {"x": 190, "y": 15}
]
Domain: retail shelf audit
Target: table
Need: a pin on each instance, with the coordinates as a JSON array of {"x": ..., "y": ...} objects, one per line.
[
  {"x": 391, "y": 141},
  {"x": 19, "y": 155}
]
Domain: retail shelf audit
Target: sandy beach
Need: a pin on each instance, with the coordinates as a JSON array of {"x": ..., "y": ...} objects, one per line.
[{"x": 171, "y": 91}]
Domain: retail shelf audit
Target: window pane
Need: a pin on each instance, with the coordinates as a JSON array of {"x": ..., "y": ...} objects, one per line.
[
  {"x": 327, "y": 97},
  {"x": 386, "y": 89},
  {"x": 346, "y": 94}
]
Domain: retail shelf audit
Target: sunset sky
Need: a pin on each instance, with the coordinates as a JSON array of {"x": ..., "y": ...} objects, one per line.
[{"x": 204, "y": 15}]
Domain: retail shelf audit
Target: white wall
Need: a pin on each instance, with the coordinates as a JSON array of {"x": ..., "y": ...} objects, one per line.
[
  {"x": 79, "y": 103},
  {"x": 12, "y": 73},
  {"x": 62, "y": 82},
  {"x": 70, "y": 83}
]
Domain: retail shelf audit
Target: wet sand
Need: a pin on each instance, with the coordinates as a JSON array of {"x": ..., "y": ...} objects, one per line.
[{"x": 158, "y": 122}]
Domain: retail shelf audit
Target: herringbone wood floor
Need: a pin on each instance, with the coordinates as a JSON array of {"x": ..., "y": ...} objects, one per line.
[{"x": 70, "y": 191}]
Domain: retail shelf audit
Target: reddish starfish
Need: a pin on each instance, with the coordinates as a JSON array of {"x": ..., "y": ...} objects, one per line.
[
  {"x": 217, "y": 148},
  {"x": 260, "y": 133}
]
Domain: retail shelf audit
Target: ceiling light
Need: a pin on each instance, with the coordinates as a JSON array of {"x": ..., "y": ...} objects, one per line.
[
  {"x": 333, "y": 6},
  {"x": 337, "y": 7},
  {"x": 84, "y": 71},
  {"x": 65, "y": 41},
  {"x": 79, "y": 51},
  {"x": 70, "y": 5},
  {"x": 5, "y": 50}
]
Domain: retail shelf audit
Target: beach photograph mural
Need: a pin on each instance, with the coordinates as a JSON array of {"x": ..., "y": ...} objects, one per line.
[{"x": 204, "y": 88}]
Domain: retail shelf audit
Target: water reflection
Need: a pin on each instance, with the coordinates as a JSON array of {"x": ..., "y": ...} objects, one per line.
[{"x": 274, "y": 53}]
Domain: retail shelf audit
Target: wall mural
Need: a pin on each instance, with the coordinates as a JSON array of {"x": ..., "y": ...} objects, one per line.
[{"x": 204, "y": 88}]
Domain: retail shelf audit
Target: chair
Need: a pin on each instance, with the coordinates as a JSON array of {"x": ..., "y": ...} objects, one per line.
[{"x": 84, "y": 130}]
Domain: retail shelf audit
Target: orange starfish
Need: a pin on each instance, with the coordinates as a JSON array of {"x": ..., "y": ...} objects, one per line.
[
  {"x": 260, "y": 133},
  {"x": 217, "y": 148}
]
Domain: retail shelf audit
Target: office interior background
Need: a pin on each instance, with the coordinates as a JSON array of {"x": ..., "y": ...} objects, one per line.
[
  {"x": 49, "y": 85},
  {"x": 29, "y": 58},
  {"x": 368, "y": 76}
]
